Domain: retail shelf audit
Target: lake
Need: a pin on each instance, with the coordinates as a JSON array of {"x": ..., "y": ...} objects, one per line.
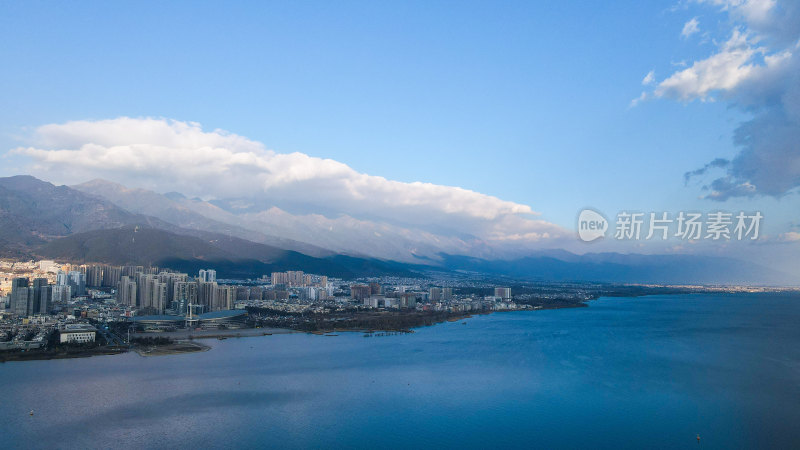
[{"x": 623, "y": 373}]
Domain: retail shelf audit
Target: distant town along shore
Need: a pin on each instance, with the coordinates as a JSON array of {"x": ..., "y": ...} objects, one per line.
[{"x": 53, "y": 310}]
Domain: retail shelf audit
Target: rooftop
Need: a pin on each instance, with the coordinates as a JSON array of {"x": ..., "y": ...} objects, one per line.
[
  {"x": 222, "y": 314},
  {"x": 77, "y": 328},
  {"x": 157, "y": 318}
]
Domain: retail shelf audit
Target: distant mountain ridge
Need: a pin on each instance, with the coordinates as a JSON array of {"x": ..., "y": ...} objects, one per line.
[
  {"x": 180, "y": 211},
  {"x": 313, "y": 234},
  {"x": 33, "y": 212},
  {"x": 623, "y": 268},
  {"x": 38, "y": 219},
  {"x": 231, "y": 257}
]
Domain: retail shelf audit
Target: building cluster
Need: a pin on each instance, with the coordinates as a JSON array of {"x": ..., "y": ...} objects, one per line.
[
  {"x": 43, "y": 288},
  {"x": 298, "y": 293},
  {"x": 437, "y": 298},
  {"x": 34, "y": 332},
  {"x": 46, "y": 297},
  {"x": 147, "y": 289},
  {"x": 296, "y": 278},
  {"x": 295, "y": 282},
  {"x": 24, "y": 336},
  {"x": 30, "y": 298},
  {"x": 373, "y": 295},
  {"x": 158, "y": 292},
  {"x": 37, "y": 296}
]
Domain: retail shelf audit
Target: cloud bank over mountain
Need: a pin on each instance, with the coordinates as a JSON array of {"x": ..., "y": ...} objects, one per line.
[
  {"x": 169, "y": 155},
  {"x": 755, "y": 69}
]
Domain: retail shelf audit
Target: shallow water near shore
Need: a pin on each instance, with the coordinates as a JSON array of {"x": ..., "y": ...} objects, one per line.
[{"x": 625, "y": 372}]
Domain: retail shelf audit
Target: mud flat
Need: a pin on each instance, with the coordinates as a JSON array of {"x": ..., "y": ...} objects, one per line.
[
  {"x": 211, "y": 334},
  {"x": 175, "y": 348}
]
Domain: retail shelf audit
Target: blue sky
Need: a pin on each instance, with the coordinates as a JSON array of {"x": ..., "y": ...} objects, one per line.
[{"x": 525, "y": 101}]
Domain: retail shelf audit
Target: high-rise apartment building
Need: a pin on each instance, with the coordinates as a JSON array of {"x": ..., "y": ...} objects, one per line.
[
  {"x": 126, "y": 292},
  {"x": 504, "y": 293},
  {"x": 295, "y": 278},
  {"x": 207, "y": 276},
  {"x": 94, "y": 276},
  {"x": 42, "y": 297},
  {"x": 224, "y": 298},
  {"x": 77, "y": 281},
  {"x": 62, "y": 278},
  {"x": 19, "y": 296},
  {"x": 360, "y": 292},
  {"x": 61, "y": 293},
  {"x": 375, "y": 289},
  {"x": 111, "y": 275},
  {"x": 205, "y": 295},
  {"x": 27, "y": 299},
  {"x": 184, "y": 294},
  {"x": 447, "y": 294}
]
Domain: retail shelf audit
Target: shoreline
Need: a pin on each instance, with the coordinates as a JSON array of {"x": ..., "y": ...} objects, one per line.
[
  {"x": 456, "y": 318},
  {"x": 186, "y": 341},
  {"x": 215, "y": 334},
  {"x": 48, "y": 355}
]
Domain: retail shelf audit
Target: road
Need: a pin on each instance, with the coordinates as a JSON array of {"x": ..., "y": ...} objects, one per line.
[{"x": 111, "y": 338}]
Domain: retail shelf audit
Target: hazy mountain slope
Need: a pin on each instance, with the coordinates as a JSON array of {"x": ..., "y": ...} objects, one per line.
[
  {"x": 85, "y": 227},
  {"x": 16, "y": 236},
  {"x": 230, "y": 256},
  {"x": 190, "y": 214},
  {"x": 130, "y": 245},
  {"x": 33, "y": 211},
  {"x": 349, "y": 235},
  {"x": 312, "y": 234},
  {"x": 93, "y": 229},
  {"x": 58, "y": 210}
]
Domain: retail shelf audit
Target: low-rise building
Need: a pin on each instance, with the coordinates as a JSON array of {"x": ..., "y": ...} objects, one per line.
[{"x": 79, "y": 333}]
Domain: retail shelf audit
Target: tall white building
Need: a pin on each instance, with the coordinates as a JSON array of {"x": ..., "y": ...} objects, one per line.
[
  {"x": 62, "y": 279},
  {"x": 504, "y": 293},
  {"x": 207, "y": 276}
]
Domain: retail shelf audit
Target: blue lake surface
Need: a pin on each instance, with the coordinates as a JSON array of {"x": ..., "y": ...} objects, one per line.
[{"x": 648, "y": 372}]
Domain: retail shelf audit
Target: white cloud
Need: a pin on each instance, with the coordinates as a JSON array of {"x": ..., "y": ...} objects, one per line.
[
  {"x": 755, "y": 70},
  {"x": 650, "y": 78},
  {"x": 642, "y": 97},
  {"x": 722, "y": 71},
  {"x": 168, "y": 155},
  {"x": 691, "y": 27},
  {"x": 790, "y": 236},
  {"x": 754, "y": 12}
]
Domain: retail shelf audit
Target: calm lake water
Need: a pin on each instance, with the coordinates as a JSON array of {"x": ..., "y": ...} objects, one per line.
[{"x": 648, "y": 372}]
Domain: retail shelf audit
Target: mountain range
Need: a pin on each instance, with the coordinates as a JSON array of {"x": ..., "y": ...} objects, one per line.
[
  {"x": 104, "y": 222},
  {"x": 311, "y": 233}
]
